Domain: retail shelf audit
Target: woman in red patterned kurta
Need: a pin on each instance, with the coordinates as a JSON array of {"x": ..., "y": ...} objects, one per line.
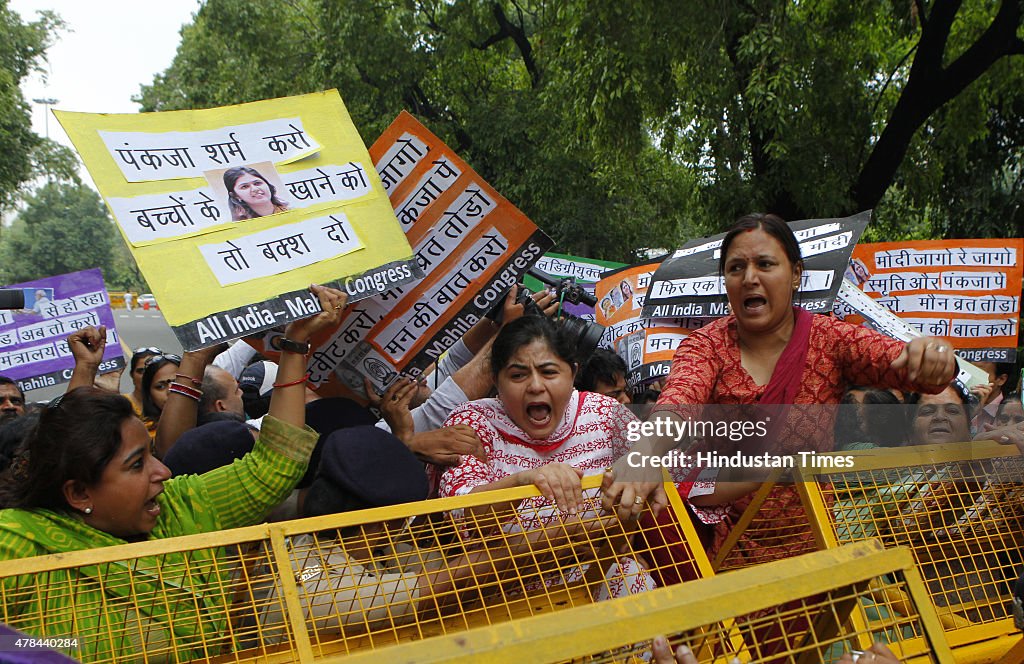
[{"x": 770, "y": 352}]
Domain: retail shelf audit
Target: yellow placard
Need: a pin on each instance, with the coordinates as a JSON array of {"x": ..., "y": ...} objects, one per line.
[{"x": 223, "y": 260}]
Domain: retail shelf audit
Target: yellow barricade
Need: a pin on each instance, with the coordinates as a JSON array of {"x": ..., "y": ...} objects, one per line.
[
  {"x": 800, "y": 611},
  {"x": 310, "y": 588},
  {"x": 958, "y": 507}
]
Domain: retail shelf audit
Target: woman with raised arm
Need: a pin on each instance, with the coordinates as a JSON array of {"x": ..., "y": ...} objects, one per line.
[
  {"x": 91, "y": 480},
  {"x": 770, "y": 352}
]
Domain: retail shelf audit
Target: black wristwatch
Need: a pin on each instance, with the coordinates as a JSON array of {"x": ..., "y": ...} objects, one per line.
[{"x": 302, "y": 348}]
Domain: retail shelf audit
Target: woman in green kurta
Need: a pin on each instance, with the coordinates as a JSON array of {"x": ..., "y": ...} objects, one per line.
[{"x": 91, "y": 480}]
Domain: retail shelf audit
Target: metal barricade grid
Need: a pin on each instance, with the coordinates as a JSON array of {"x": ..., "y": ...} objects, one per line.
[
  {"x": 305, "y": 589},
  {"x": 958, "y": 507},
  {"x": 802, "y": 609}
]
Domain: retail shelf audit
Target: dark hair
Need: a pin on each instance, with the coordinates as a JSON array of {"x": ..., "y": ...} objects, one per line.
[
  {"x": 13, "y": 435},
  {"x": 525, "y": 330},
  {"x": 239, "y": 208},
  {"x": 4, "y": 380},
  {"x": 150, "y": 409},
  {"x": 1012, "y": 397},
  {"x": 772, "y": 225},
  {"x": 964, "y": 396},
  {"x": 604, "y": 365},
  {"x": 75, "y": 440}
]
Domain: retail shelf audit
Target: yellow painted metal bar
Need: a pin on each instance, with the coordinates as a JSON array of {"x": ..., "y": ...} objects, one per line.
[
  {"x": 608, "y": 625},
  {"x": 295, "y": 615},
  {"x": 742, "y": 524},
  {"x": 883, "y": 458},
  {"x": 262, "y": 531}
]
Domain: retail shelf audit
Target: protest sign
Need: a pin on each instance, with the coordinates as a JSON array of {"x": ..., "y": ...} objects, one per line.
[
  {"x": 585, "y": 271},
  {"x": 645, "y": 344},
  {"x": 470, "y": 243},
  {"x": 688, "y": 283},
  {"x": 967, "y": 291},
  {"x": 232, "y": 212},
  {"x": 33, "y": 340}
]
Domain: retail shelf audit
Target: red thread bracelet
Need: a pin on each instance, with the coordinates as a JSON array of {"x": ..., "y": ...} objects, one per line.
[
  {"x": 294, "y": 382},
  {"x": 195, "y": 381}
]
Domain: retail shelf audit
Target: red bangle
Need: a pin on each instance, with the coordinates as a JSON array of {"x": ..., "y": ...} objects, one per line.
[
  {"x": 195, "y": 381},
  {"x": 185, "y": 390},
  {"x": 294, "y": 382}
]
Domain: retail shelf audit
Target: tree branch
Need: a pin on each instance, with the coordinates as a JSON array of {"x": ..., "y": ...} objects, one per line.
[
  {"x": 517, "y": 33},
  {"x": 929, "y": 86}
]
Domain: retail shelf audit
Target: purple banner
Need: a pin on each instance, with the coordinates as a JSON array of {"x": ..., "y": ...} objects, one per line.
[{"x": 33, "y": 341}]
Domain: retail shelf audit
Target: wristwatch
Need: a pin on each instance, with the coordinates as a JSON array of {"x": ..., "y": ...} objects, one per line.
[{"x": 302, "y": 348}]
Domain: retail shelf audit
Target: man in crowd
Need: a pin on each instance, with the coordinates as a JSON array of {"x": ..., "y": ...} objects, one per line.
[{"x": 12, "y": 400}]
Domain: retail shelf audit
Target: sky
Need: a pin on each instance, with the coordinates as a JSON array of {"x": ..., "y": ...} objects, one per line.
[{"x": 107, "y": 51}]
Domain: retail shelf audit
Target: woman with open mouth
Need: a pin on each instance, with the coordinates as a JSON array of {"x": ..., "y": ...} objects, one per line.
[
  {"x": 541, "y": 431},
  {"x": 770, "y": 354},
  {"x": 89, "y": 479}
]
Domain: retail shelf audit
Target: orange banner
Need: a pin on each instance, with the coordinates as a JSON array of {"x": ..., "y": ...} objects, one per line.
[{"x": 967, "y": 291}]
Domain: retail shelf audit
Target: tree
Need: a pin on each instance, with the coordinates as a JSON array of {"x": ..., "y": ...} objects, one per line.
[
  {"x": 617, "y": 126},
  {"x": 22, "y": 49},
  {"x": 63, "y": 228}
]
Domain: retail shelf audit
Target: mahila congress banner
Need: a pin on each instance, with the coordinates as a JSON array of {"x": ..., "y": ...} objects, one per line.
[
  {"x": 688, "y": 283},
  {"x": 470, "y": 243},
  {"x": 232, "y": 212},
  {"x": 967, "y": 291},
  {"x": 645, "y": 344},
  {"x": 33, "y": 341}
]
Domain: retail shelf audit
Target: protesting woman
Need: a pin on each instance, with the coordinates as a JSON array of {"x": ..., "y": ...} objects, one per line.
[
  {"x": 770, "y": 352},
  {"x": 92, "y": 481}
]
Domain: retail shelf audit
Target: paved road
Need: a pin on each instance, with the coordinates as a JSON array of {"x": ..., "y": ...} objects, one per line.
[{"x": 137, "y": 328}]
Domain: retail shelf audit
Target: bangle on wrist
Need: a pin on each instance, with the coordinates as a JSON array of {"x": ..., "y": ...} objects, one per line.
[
  {"x": 185, "y": 391},
  {"x": 290, "y": 346},
  {"x": 195, "y": 381},
  {"x": 300, "y": 381}
]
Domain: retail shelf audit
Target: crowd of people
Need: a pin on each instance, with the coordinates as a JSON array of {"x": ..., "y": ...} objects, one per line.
[{"x": 221, "y": 437}]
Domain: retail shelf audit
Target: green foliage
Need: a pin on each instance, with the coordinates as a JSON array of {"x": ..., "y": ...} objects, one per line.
[
  {"x": 22, "y": 47},
  {"x": 63, "y": 228},
  {"x": 623, "y": 126}
]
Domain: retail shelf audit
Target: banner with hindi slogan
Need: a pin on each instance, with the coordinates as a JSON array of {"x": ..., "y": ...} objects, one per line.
[
  {"x": 33, "y": 341},
  {"x": 232, "y": 212},
  {"x": 585, "y": 271},
  {"x": 645, "y": 344},
  {"x": 967, "y": 291},
  {"x": 688, "y": 283},
  {"x": 470, "y": 243}
]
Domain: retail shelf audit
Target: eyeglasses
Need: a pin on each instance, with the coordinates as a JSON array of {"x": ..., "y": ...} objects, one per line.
[
  {"x": 148, "y": 350},
  {"x": 159, "y": 358}
]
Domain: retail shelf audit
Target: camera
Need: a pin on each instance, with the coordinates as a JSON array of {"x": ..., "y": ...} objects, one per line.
[
  {"x": 586, "y": 335},
  {"x": 12, "y": 298}
]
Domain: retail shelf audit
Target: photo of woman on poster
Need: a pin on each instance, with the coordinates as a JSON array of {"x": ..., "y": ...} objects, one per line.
[{"x": 250, "y": 195}]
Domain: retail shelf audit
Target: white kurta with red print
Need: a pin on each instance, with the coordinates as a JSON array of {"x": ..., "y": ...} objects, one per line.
[{"x": 590, "y": 436}]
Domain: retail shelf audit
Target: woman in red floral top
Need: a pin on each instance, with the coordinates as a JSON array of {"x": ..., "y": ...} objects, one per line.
[{"x": 771, "y": 352}]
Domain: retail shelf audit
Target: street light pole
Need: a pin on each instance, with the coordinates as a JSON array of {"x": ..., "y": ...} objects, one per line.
[{"x": 47, "y": 102}]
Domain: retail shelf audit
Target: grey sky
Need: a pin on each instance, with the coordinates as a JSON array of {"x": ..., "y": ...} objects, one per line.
[{"x": 109, "y": 49}]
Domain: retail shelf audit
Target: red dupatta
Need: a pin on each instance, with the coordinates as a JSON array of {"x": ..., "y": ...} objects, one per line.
[{"x": 789, "y": 370}]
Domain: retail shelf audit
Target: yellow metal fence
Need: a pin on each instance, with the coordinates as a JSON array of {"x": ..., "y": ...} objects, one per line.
[{"x": 311, "y": 588}]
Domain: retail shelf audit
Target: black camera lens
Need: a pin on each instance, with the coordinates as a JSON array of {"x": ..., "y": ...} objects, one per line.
[{"x": 12, "y": 298}]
